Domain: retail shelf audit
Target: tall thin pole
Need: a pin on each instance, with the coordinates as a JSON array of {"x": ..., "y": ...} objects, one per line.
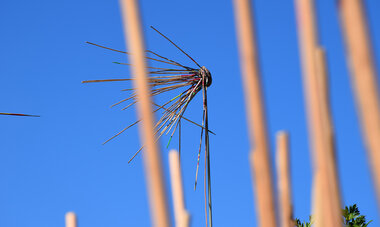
[
  {"x": 264, "y": 190},
  {"x": 323, "y": 156},
  {"x": 283, "y": 178},
  {"x": 317, "y": 191},
  {"x": 329, "y": 176},
  {"x": 363, "y": 80},
  {"x": 151, "y": 155},
  {"x": 182, "y": 217},
  {"x": 70, "y": 219}
]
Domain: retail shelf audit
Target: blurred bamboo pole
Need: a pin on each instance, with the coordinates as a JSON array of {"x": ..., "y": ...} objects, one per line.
[
  {"x": 283, "y": 180},
  {"x": 151, "y": 155},
  {"x": 182, "y": 217},
  {"x": 317, "y": 196},
  {"x": 318, "y": 115},
  {"x": 328, "y": 155},
  {"x": 259, "y": 157},
  {"x": 71, "y": 219},
  {"x": 265, "y": 210},
  {"x": 363, "y": 80}
]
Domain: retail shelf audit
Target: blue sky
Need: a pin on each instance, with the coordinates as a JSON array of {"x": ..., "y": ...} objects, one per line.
[{"x": 57, "y": 163}]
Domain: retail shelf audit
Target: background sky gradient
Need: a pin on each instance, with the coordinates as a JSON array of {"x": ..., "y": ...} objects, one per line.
[{"x": 57, "y": 163}]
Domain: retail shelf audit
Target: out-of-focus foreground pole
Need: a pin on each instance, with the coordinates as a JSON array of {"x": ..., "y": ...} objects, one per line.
[
  {"x": 331, "y": 180},
  {"x": 260, "y": 159},
  {"x": 283, "y": 180},
  {"x": 318, "y": 117},
  {"x": 363, "y": 80},
  {"x": 151, "y": 155},
  {"x": 70, "y": 219}
]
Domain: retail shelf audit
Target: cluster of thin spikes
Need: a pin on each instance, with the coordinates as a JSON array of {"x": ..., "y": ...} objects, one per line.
[
  {"x": 163, "y": 80},
  {"x": 170, "y": 79}
]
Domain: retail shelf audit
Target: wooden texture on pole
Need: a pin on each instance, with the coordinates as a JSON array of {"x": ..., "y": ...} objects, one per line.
[
  {"x": 182, "y": 217},
  {"x": 318, "y": 115},
  {"x": 363, "y": 80},
  {"x": 259, "y": 157},
  {"x": 151, "y": 155},
  {"x": 283, "y": 180},
  {"x": 70, "y": 219}
]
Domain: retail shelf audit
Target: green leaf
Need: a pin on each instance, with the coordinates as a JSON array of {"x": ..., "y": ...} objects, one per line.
[{"x": 351, "y": 218}]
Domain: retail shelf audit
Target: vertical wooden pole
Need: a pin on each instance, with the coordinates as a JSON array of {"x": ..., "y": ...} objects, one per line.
[
  {"x": 324, "y": 160},
  {"x": 259, "y": 157},
  {"x": 151, "y": 155},
  {"x": 71, "y": 219},
  {"x": 327, "y": 157},
  {"x": 182, "y": 217},
  {"x": 283, "y": 180},
  {"x": 317, "y": 196},
  {"x": 363, "y": 80}
]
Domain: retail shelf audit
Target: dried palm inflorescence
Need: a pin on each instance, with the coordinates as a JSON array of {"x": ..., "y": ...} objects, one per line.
[{"x": 162, "y": 80}]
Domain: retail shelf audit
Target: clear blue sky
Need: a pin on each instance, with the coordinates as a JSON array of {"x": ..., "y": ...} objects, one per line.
[{"x": 56, "y": 163}]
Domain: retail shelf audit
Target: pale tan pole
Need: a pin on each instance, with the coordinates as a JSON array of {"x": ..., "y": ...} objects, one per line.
[
  {"x": 71, "y": 219},
  {"x": 324, "y": 162},
  {"x": 317, "y": 191},
  {"x": 363, "y": 80},
  {"x": 151, "y": 154},
  {"x": 319, "y": 185},
  {"x": 259, "y": 157},
  {"x": 328, "y": 156},
  {"x": 283, "y": 180},
  {"x": 182, "y": 217}
]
